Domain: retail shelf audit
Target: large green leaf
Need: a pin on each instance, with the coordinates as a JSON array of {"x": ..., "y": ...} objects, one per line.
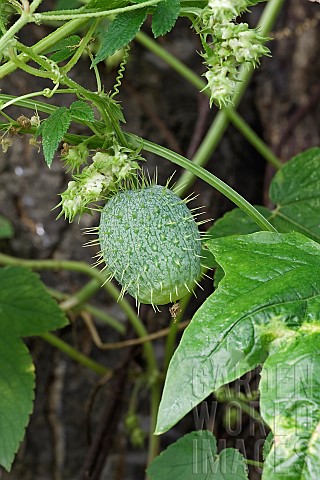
[
  {"x": 188, "y": 457},
  {"x": 195, "y": 456},
  {"x": 120, "y": 32},
  {"x": 230, "y": 465},
  {"x": 16, "y": 399},
  {"x": 234, "y": 222},
  {"x": 267, "y": 275},
  {"x": 25, "y": 309},
  {"x": 290, "y": 403},
  {"x": 295, "y": 190}
]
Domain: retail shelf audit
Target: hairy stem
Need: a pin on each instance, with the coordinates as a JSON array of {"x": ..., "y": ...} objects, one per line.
[{"x": 72, "y": 14}]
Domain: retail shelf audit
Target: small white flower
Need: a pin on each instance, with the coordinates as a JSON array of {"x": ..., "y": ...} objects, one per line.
[{"x": 94, "y": 184}]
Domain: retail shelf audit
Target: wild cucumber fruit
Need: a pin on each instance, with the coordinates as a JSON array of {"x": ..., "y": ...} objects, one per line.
[{"x": 150, "y": 242}]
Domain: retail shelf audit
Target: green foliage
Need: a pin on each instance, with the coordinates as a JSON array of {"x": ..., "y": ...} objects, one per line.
[
  {"x": 57, "y": 124},
  {"x": 126, "y": 25},
  {"x": 6, "y": 229},
  {"x": 17, "y": 383},
  {"x": 236, "y": 222},
  {"x": 267, "y": 276},
  {"x": 120, "y": 32},
  {"x": 195, "y": 456},
  {"x": 290, "y": 403},
  {"x": 165, "y": 16},
  {"x": 295, "y": 190},
  {"x": 53, "y": 130},
  {"x": 82, "y": 111},
  {"x": 5, "y": 11},
  {"x": 26, "y": 309},
  {"x": 267, "y": 445},
  {"x": 64, "y": 49}
]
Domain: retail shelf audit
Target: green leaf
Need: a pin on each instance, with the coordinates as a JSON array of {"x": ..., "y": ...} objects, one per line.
[
  {"x": 295, "y": 190},
  {"x": 6, "y": 229},
  {"x": 290, "y": 404},
  {"x": 267, "y": 445},
  {"x": 53, "y": 130},
  {"x": 195, "y": 456},
  {"x": 64, "y": 49},
  {"x": 230, "y": 465},
  {"x": 187, "y": 458},
  {"x": 82, "y": 111},
  {"x": 25, "y": 309},
  {"x": 267, "y": 275},
  {"x": 17, "y": 382},
  {"x": 164, "y": 17},
  {"x": 121, "y": 31},
  {"x": 234, "y": 222},
  {"x": 116, "y": 111}
]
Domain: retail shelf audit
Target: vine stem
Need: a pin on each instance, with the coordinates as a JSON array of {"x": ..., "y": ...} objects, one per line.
[
  {"x": 211, "y": 179},
  {"x": 74, "y": 354},
  {"x": 30, "y": 70},
  {"x": 83, "y": 45},
  {"x": 39, "y": 17},
  {"x": 44, "y": 92},
  {"x": 254, "y": 463}
]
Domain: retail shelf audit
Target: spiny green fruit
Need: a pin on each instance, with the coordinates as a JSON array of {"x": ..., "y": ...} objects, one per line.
[{"x": 151, "y": 244}]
